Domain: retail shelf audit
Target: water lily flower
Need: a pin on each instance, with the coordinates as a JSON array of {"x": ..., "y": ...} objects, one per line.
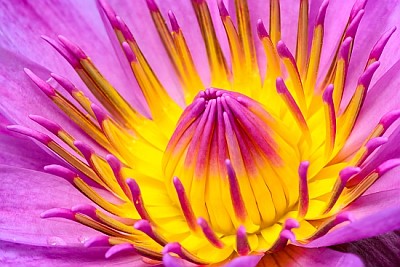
[{"x": 199, "y": 133}]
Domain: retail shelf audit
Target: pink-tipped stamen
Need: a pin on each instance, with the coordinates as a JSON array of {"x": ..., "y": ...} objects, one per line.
[
  {"x": 98, "y": 241},
  {"x": 41, "y": 137},
  {"x": 209, "y": 233},
  {"x": 72, "y": 48},
  {"x": 145, "y": 227},
  {"x": 344, "y": 176},
  {"x": 58, "y": 213},
  {"x": 116, "y": 167},
  {"x": 61, "y": 171},
  {"x": 44, "y": 86},
  {"x": 377, "y": 50},
  {"x": 137, "y": 199},
  {"x": 53, "y": 127},
  {"x": 117, "y": 249}
]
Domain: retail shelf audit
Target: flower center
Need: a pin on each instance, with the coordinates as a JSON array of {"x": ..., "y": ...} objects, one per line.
[{"x": 231, "y": 162}]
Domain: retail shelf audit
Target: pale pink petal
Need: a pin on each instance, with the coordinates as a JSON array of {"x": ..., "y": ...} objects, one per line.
[
  {"x": 13, "y": 254},
  {"x": 24, "y": 153},
  {"x": 24, "y": 195}
]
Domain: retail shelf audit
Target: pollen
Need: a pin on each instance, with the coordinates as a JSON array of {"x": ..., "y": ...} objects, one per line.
[{"x": 251, "y": 163}]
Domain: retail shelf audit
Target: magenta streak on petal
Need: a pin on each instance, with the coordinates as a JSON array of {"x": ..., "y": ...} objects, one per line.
[
  {"x": 72, "y": 48},
  {"x": 62, "y": 50},
  {"x": 254, "y": 128},
  {"x": 236, "y": 196},
  {"x": 97, "y": 241},
  {"x": 41, "y": 137},
  {"x": 358, "y": 5},
  {"x": 205, "y": 141},
  {"x": 194, "y": 148},
  {"x": 137, "y": 199},
  {"x": 58, "y": 213},
  {"x": 209, "y": 233},
  {"x": 189, "y": 115},
  {"x": 145, "y": 227},
  {"x": 65, "y": 83},
  {"x": 328, "y": 100},
  {"x": 321, "y": 13},
  {"x": 174, "y": 22},
  {"x": 261, "y": 30},
  {"x": 223, "y": 12},
  {"x": 222, "y": 147},
  {"x": 353, "y": 26},
  {"x": 325, "y": 228},
  {"x": 45, "y": 87},
  {"x": 303, "y": 188},
  {"x": 116, "y": 249},
  {"x": 294, "y": 108},
  {"x": 48, "y": 124},
  {"x": 116, "y": 167},
  {"x": 87, "y": 210},
  {"x": 128, "y": 52},
  {"x": 344, "y": 176},
  {"x": 377, "y": 50},
  {"x": 242, "y": 244},
  {"x": 185, "y": 204}
]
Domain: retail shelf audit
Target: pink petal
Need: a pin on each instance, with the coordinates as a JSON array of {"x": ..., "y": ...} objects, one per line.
[
  {"x": 295, "y": 256},
  {"x": 248, "y": 261},
  {"x": 13, "y": 254},
  {"x": 24, "y": 195},
  {"x": 23, "y": 153},
  {"x": 77, "y": 20},
  {"x": 373, "y": 214}
]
